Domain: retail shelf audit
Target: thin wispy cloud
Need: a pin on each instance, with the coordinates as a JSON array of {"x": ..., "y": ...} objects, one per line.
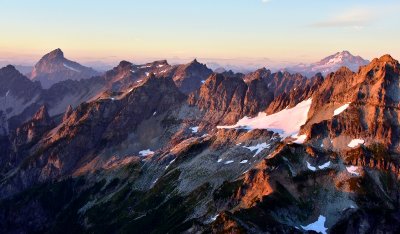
[
  {"x": 265, "y": 1},
  {"x": 357, "y": 18}
]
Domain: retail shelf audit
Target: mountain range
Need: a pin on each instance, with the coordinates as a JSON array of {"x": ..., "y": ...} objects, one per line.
[{"x": 160, "y": 148}]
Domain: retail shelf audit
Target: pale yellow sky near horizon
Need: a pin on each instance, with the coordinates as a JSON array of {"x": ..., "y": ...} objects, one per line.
[{"x": 272, "y": 34}]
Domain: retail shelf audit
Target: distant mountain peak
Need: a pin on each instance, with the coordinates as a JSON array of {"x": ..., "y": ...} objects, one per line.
[
  {"x": 331, "y": 64},
  {"x": 54, "y": 67},
  {"x": 42, "y": 114}
]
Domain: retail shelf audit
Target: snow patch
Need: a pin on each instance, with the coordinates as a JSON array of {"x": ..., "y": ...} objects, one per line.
[
  {"x": 203, "y": 81},
  {"x": 325, "y": 165},
  {"x": 258, "y": 148},
  {"x": 244, "y": 161},
  {"x": 169, "y": 164},
  {"x": 229, "y": 162},
  {"x": 219, "y": 160},
  {"x": 147, "y": 152},
  {"x": 212, "y": 219},
  {"x": 321, "y": 167},
  {"x": 8, "y": 92},
  {"x": 341, "y": 109},
  {"x": 355, "y": 142},
  {"x": 311, "y": 167},
  {"x": 300, "y": 139},
  {"x": 286, "y": 122},
  {"x": 194, "y": 129},
  {"x": 71, "y": 68},
  {"x": 318, "y": 226},
  {"x": 155, "y": 112},
  {"x": 353, "y": 170}
]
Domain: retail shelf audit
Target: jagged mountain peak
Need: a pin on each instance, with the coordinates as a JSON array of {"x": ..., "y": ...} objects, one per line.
[
  {"x": 387, "y": 58},
  {"x": 54, "y": 67},
  {"x": 124, "y": 64},
  {"x": 55, "y": 54},
  {"x": 330, "y": 64},
  {"x": 42, "y": 114}
]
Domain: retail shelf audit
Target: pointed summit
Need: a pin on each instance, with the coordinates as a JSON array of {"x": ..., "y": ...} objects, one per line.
[
  {"x": 42, "y": 115},
  {"x": 189, "y": 77},
  {"x": 388, "y": 58},
  {"x": 331, "y": 64},
  {"x": 67, "y": 113},
  {"x": 55, "y": 54}
]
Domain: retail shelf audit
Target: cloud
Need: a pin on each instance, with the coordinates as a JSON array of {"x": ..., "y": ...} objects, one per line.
[
  {"x": 357, "y": 18},
  {"x": 265, "y": 1}
]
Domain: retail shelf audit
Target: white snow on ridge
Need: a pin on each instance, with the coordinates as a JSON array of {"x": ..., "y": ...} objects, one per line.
[
  {"x": 355, "y": 142},
  {"x": 146, "y": 152},
  {"x": 318, "y": 226},
  {"x": 286, "y": 122},
  {"x": 229, "y": 162},
  {"x": 244, "y": 161},
  {"x": 258, "y": 148},
  {"x": 71, "y": 68},
  {"x": 341, "y": 109}
]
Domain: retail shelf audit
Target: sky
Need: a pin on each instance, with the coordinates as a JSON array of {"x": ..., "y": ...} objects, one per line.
[{"x": 267, "y": 32}]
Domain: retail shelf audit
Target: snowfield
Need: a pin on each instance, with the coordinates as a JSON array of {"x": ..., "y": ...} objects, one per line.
[
  {"x": 355, "y": 142},
  {"x": 318, "y": 226},
  {"x": 300, "y": 139},
  {"x": 258, "y": 148},
  {"x": 286, "y": 122},
  {"x": 341, "y": 109},
  {"x": 147, "y": 152}
]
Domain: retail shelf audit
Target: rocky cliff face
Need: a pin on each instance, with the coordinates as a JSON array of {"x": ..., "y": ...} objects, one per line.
[
  {"x": 369, "y": 101},
  {"x": 189, "y": 77}
]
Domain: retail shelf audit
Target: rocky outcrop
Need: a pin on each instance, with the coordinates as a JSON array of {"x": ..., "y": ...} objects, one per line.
[
  {"x": 226, "y": 99},
  {"x": 34, "y": 129},
  {"x": 330, "y": 64},
  {"x": 189, "y": 77},
  {"x": 372, "y": 99}
]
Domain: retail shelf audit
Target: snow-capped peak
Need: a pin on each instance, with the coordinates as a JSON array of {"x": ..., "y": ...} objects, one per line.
[{"x": 331, "y": 64}]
